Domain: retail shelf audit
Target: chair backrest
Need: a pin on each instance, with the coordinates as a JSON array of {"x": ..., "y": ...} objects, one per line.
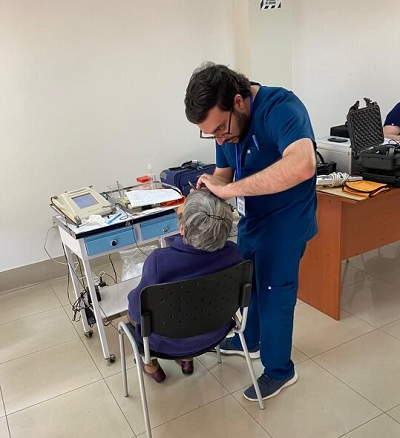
[{"x": 195, "y": 306}]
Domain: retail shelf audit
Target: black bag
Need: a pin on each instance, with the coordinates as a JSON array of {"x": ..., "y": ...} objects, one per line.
[
  {"x": 377, "y": 162},
  {"x": 188, "y": 171}
]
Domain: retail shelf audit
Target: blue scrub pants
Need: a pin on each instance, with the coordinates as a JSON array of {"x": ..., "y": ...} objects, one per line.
[{"x": 272, "y": 303}]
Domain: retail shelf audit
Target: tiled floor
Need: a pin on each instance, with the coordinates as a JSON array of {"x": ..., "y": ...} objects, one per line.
[{"x": 54, "y": 382}]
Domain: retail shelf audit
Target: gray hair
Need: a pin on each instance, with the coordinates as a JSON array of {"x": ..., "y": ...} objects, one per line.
[{"x": 207, "y": 221}]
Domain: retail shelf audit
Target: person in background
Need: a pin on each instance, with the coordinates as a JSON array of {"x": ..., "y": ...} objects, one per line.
[
  {"x": 391, "y": 127},
  {"x": 265, "y": 157},
  {"x": 201, "y": 248}
]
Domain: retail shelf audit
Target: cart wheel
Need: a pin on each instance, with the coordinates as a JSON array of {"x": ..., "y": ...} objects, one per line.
[
  {"x": 89, "y": 334},
  {"x": 111, "y": 359}
]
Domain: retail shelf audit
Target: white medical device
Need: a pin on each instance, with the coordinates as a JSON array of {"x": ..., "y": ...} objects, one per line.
[{"x": 81, "y": 203}]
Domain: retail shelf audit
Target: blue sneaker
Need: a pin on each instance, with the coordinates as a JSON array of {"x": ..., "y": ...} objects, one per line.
[
  {"x": 228, "y": 346},
  {"x": 269, "y": 387}
]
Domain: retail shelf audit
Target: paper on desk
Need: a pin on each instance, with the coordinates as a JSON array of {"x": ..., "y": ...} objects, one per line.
[{"x": 138, "y": 198}]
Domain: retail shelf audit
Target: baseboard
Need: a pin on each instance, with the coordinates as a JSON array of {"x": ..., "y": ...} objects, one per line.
[{"x": 45, "y": 270}]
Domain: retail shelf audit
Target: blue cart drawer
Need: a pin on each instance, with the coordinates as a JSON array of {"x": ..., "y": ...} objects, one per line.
[
  {"x": 109, "y": 240},
  {"x": 158, "y": 227}
]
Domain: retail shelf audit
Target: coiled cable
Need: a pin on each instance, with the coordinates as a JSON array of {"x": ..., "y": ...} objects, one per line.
[{"x": 334, "y": 179}]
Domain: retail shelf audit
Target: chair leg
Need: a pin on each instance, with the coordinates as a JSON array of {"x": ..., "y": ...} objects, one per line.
[
  {"x": 123, "y": 362},
  {"x": 122, "y": 327},
  {"x": 251, "y": 369},
  {"x": 142, "y": 390},
  {"x": 218, "y": 351}
]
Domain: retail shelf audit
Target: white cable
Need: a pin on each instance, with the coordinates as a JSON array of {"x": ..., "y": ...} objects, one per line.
[
  {"x": 47, "y": 252},
  {"x": 336, "y": 179}
]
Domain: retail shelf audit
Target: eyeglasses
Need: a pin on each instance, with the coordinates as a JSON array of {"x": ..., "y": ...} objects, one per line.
[{"x": 224, "y": 135}]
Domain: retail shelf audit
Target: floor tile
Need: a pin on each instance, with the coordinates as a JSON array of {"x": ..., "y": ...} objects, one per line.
[
  {"x": 27, "y": 302},
  {"x": 393, "y": 329},
  {"x": 2, "y": 411},
  {"x": 351, "y": 275},
  {"x": 220, "y": 419},
  {"x": 382, "y": 426},
  {"x": 177, "y": 395},
  {"x": 94, "y": 347},
  {"x": 395, "y": 413},
  {"x": 314, "y": 332},
  {"x": 59, "y": 286},
  {"x": 86, "y": 412},
  {"x": 35, "y": 333},
  {"x": 392, "y": 276},
  {"x": 374, "y": 301},
  {"x": 233, "y": 372},
  {"x": 395, "y": 244},
  {"x": 3, "y": 428},
  {"x": 370, "y": 365},
  {"x": 40, "y": 376},
  {"x": 377, "y": 261},
  {"x": 317, "y": 406}
]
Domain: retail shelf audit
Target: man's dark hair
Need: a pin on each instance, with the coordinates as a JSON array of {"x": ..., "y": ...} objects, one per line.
[{"x": 210, "y": 85}]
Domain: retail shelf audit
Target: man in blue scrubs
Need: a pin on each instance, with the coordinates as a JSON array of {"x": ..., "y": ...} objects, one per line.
[
  {"x": 391, "y": 127},
  {"x": 265, "y": 157}
]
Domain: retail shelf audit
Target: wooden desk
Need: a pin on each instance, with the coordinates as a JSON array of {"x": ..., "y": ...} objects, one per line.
[{"x": 347, "y": 228}]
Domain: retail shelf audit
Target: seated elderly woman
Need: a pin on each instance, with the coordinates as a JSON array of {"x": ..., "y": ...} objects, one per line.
[{"x": 201, "y": 248}]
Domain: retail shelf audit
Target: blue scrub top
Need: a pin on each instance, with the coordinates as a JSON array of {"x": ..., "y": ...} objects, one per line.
[
  {"x": 279, "y": 118},
  {"x": 393, "y": 118}
]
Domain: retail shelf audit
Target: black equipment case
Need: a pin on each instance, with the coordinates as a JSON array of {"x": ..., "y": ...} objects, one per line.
[
  {"x": 188, "y": 171},
  {"x": 375, "y": 161}
]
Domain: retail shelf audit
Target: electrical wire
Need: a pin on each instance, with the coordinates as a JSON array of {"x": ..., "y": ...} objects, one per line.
[
  {"x": 115, "y": 272},
  {"x": 390, "y": 140},
  {"x": 45, "y": 249},
  {"x": 140, "y": 249}
]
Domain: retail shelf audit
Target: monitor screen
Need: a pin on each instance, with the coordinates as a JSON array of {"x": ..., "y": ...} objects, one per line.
[{"x": 84, "y": 201}]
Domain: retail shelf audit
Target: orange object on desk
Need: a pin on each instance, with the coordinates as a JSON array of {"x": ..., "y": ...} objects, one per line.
[
  {"x": 175, "y": 202},
  {"x": 143, "y": 179}
]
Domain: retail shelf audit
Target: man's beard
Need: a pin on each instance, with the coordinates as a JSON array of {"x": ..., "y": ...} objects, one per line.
[{"x": 243, "y": 124}]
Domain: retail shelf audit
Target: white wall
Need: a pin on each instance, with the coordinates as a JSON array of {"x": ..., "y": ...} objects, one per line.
[
  {"x": 344, "y": 51},
  {"x": 92, "y": 91},
  {"x": 271, "y": 44}
]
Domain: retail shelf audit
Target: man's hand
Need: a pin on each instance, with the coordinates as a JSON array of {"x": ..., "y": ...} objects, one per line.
[{"x": 215, "y": 184}]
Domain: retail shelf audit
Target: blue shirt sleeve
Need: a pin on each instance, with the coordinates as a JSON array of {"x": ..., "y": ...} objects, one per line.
[
  {"x": 149, "y": 277},
  {"x": 288, "y": 121},
  {"x": 220, "y": 158},
  {"x": 393, "y": 118}
]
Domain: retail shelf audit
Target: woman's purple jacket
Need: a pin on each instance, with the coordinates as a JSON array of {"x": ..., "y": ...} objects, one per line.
[{"x": 179, "y": 262}]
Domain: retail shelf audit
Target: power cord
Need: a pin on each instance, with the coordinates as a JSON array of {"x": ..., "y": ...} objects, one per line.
[
  {"x": 45, "y": 249},
  {"x": 115, "y": 272}
]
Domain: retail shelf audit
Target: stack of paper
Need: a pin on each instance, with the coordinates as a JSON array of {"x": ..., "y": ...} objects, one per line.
[{"x": 139, "y": 198}]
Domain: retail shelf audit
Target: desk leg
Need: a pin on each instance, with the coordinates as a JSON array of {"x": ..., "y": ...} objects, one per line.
[
  {"x": 320, "y": 268},
  {"x": 97, "y": 312},
  {"x": 77, "y": 287}
]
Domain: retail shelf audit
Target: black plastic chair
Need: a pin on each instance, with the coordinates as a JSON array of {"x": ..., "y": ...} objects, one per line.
[{"x": 189, "y": 308}]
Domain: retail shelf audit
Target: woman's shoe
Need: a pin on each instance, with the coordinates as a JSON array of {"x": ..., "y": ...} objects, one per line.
[
  {"x": 187, "y": 366},
  {"x": 158, "y": 375}
]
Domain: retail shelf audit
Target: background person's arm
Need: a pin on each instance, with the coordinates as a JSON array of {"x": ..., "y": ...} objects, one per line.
[
  {"x": 392, "y": 132},
  {"x": 297, "y": 164}
]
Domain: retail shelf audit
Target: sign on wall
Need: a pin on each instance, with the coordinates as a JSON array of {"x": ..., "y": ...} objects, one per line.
[{"x": 270, "y": 4}]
